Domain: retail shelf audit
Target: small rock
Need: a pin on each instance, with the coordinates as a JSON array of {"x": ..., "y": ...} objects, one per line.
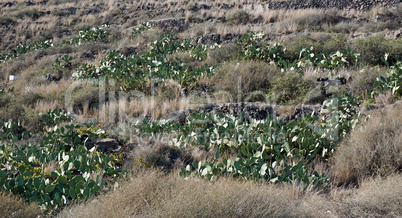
[
  {"x": 29, "y": 3},
  {"x": 72, "y": 10},
  {"x": 398, "y": 34},
  {"x": 9, "y": 4},
  {"x": 51, "y": 77}
]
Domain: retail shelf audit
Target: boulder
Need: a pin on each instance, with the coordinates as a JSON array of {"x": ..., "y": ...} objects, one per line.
[{"x": 106, "y": 145}]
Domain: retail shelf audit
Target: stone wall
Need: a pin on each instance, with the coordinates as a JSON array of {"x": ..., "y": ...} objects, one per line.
[{"x": 340, "y": 4}]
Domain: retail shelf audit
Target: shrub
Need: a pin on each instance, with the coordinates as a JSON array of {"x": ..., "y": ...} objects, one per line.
[
  {"x": 373, "y": 48},
  {"x": 363, "y": 79},
  {"x": 272, "y": 149},
  {"x": 344, "y": 27},
  {"x": 223, "y": 54},
  {"x": 139, "y": 30},
  {"x": 290, "y": 88},
  {"x": 13, "y": 110},
  {"x": 191, "y": 5},
  {"x": 31, "y": 98},
  {"x": 321, "y": 43},
  {"x": 23, "y": 48},
  {"x": 380, "y": 26},
  {"x": 253, "y": 76},
  {"x": 391, "y": 82},
  {"x": 252, "y": 48},
  {"x": 373, "y": 149},
  {"x": 314, "y": 21},
  {"x": 237, "y": 17},
  {"x": 85, "y": 94}
]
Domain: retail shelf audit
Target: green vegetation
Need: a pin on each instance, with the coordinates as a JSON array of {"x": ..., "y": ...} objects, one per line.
[
  {"x": 23, "y": 48},
  {"x": 60, "y": 169},
  {"x": 138, "y": 30},
  {"x": 159, "y": 109},
  {"x": 372, "y": 49},
  {"x": 276, "y": 54},
  {"x": 88, "y": 35},
  {"x": 392, "y": 81},
  {"x": 268, "y": 149},
  {"x": 134, "y": 73},
  {"x": 98, "y": 33}
]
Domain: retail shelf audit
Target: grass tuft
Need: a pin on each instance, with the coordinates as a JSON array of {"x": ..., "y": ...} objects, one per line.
[
  {"x": 14, "y": 206},
  {"x": 373, "y": 148},
  {"x": 237, "y": 17}
]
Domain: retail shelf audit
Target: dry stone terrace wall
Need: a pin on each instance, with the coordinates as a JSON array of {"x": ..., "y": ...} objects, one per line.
[
  {"x": 299, "y": 4},
  {"x": 217, "y": 38},
  {"x": 340, "y": 4},
  {"x": 258, "y": 111}
]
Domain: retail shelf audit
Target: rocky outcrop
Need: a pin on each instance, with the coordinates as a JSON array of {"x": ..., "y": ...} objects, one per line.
[
  {"x": 106, "y": 145},
  {"x": 174, "y": 25},
  {"x": 250, "y": 110},
  {"x": 258, "y": 111},
  {"x": 217, "y": 38}
]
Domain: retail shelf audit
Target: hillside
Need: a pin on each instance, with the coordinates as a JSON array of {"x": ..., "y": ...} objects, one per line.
[{"x": 200, "y": 108}]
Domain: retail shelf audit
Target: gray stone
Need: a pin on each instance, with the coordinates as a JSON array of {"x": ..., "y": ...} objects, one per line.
[{"x": 104, "y": 145}]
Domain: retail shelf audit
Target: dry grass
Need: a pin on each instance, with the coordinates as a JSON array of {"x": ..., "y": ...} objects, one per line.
[
  {"x": 198, "y": 30},
  {"x": 156, "y": 195},
  {"x": 363, "y": 79},
  {"x": 13, "y": 206},
  {"x": 147, "y": 37},
  {"x": 51, "y": 88},
  {"x": 311, "y": 19},
  {"x": 311, "y": 74},
  {"x": 237, "y": 17},
  {"x": 343, "y": 27},
  {"x": 373, "y": 148},
  {"x": 220, "y": 28},
  {"x": 44, "y": 106},
  {"x": 125, "y": 109},
  {"x": 385, "y": 99},
  {"x": 223, "y": 54},
  {"x": 153, "y": 194},
  {"x": 377, "y": 198}
]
